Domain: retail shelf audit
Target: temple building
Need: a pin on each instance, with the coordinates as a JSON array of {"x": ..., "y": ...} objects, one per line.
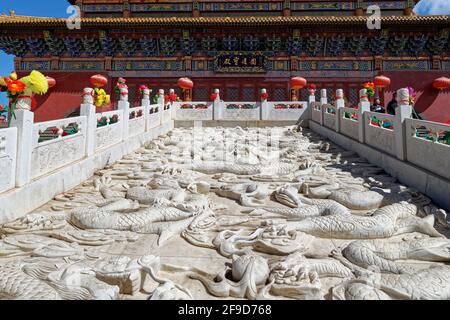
[{"x": 236, "y": 46}]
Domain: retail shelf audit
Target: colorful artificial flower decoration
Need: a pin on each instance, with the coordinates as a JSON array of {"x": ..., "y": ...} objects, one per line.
[
  {"x": 101, "y": 98},
  {"x": 21, "y": 91},
  {"x": 370, "y": 87},
  {"x": 121, "y": 83},
  {"x": 412, "y": 95},
  {"x": 312, "y": 89},
  {"x": 264, "y": 96},
  {"x": 15, "y": 87},
  {"x": 142, "y": 88},
  {"x": 173, "y": 97},
  {"x": 36, "y": 82},
  {"x": 213, "y": 96}
]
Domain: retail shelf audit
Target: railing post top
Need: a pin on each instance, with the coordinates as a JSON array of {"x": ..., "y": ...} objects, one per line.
[
  {"x": 161, "y": 91},
  {"x": 403, "y": 96},
  {"x": 216, "y": 91},
  {"x": 88, "y": 96},
  {"x": 339, "y": 94},
  {"x": 323, "y": 93},
  {"x": 363, "y": 97}
]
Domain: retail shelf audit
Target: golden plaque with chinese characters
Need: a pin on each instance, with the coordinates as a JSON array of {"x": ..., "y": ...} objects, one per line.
[{"x": 248, "y": 62}]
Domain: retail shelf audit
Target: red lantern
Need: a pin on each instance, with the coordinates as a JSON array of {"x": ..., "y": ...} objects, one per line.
[
  {"x": 441, "y": 83},
  {"x": 298, "y": 83},
  {"x": 99, "y": 81},
  {"x": 166, "y": 99},
  {"x": 381, "y": 82},
  {"x": 185, "y": 83},
  {"x": 51, "y": 82}
]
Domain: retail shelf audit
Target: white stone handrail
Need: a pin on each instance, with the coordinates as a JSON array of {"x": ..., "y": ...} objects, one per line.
[
  {"x": 428, "y": 152},
  {"x": 8, "y": 153},
  {"x": 193, "y": 111},
  {"x": 241, "y": 103},
  {"x": 59, "y": 150},
  {"x": 153, "y": 118},
  {"x": 379, "y": 137},
  {"x": 284, "y": 110},
  {"x": 434, "y": 128},
  {"x": 64, "y": 158},
  {"x": 111, "y": 133},
  {"x": 41, "y": 127},
  {"x": 289, "y": 104},
  {"x": 194, "y": 105},
  {"x": 136, "y": 121},
  {"x": 329, "y": 116}
]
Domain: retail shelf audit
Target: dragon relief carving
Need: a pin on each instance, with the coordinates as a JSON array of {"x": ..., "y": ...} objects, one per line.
[{"x": 242, "y": 213}]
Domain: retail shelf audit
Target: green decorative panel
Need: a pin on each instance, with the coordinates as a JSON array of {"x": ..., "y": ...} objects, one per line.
[
  {"x": 406, "y": 65},
  {"x": 81, "y": 65}
]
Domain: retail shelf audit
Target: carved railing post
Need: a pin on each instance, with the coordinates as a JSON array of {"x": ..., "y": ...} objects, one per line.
[
  {"x": 402, "y": 112},
  {"x": 217, "y": 107},
  {"x": 23, "y": 120},
  {"x": 124, "y": 105},
  {"x": 145, "y": 101},
  {"x": 264, "y": 105},
  {"x": 88, "y": 110},
  {"x": 323, "y": 102},
  {"x": 161, "y": 98},
  {"x": 323, "y": 97},
  {"x": 339, "y": 103},
  {"x": 172, "y": 104},
  {"x": 363, "y": 106},
  {"x": 311, "y": 101}
]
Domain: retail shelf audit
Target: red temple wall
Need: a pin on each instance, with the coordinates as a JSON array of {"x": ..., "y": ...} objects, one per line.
[
  {"x": 433, "y": 104},
  {"x": 65, "y": 97}
]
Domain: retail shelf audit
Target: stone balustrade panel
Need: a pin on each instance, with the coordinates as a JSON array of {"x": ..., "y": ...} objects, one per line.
[
  {"x": 153, "y": 116},
  {"x": 348, "y": 118},
  {"x": 241, "y": 111},
  {"x": 166, "y": 114},
  {"x": 381, "y": 136},
  {"x": 110, "y": 133},
  {"x": 285, "y": 110},
  {"x": 8, "y": 158},
  {"x": 136, "y": 122},
  {"x": 192, "y": 111},
  {"x": 428, "y": 146},
  {"x": 316, "y": 112},
  {"x": 329, "y": 116},
  {"x": 57, "y": 144}
]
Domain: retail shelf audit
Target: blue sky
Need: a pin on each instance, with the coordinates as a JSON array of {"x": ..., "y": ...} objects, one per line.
[
  {"x": 432, "y": 7},
  {"x": 57, "y": 8},
  {"x": 43, "y": 8}
]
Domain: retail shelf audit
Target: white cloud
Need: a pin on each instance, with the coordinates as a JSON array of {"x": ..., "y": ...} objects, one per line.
[{"x": 432, "y": 7}]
